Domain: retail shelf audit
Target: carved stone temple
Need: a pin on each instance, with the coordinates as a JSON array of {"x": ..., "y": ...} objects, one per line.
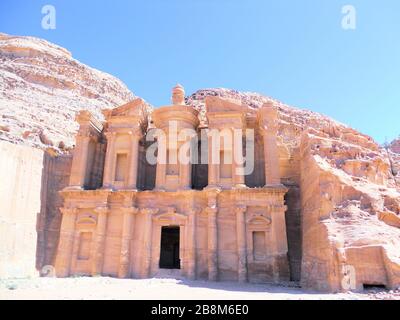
[{"x": 126, "y": 217}]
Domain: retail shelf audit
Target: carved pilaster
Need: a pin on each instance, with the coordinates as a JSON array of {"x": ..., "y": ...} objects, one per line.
[
  {"x": 213, "y": 166},
  {"x": 212, "y": 243},
  {"x": 79, "y": 161},
  {"x": 147, "y": 243},
  {"x": 268, "y": 121},
  {"x": 124, "y": 262},
  {"x": 191, "y": 249},
  {"x": 99, "y": 243},
  {"x": 67, "y": 231},
  {"x": 134, "y": 159},
  {"x": 161, "y": 169},
  {"x": 241, "y": 243},
  {"x": 281, "y": 267},
  {"x": 109, "y": 162},
  {"x": 238, "y": 160}
]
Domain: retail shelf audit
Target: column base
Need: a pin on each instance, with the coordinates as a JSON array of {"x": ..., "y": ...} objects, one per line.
[
  {"x": 212, "y": 187},
  {"x": 71, "y": 188},
  {"x": 159, "y": 189},
  {"x": 240, "y": 186},
  {"x": 130, "y": 189},
  {"x": 274, "y": 186},
  {"x": 184, "y": 189}
]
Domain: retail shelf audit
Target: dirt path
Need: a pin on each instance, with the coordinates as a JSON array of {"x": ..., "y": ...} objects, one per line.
[{"x": 132, "y": 289}]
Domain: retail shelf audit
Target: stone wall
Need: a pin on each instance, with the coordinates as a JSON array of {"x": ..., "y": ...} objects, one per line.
[
  {"x": 55, "y": 177},
  {"x": 21, "y": 170}
]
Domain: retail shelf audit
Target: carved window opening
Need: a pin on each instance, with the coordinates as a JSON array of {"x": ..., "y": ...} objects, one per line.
[
  {"x": 225, "y": 164},
  {"x": 172, "y": 163},
  {"x": 121, "y": 167},
  {"x": 85, "y": 241},
  {"x": 259, "y": 245}
]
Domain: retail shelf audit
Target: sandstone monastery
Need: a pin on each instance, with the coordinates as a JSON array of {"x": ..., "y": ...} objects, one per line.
[
  {"x": 124, "y": 217},
  {"x": 320, "y": 208}
]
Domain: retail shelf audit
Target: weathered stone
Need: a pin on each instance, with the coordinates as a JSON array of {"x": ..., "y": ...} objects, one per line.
[{"x": 226, "y": 231}]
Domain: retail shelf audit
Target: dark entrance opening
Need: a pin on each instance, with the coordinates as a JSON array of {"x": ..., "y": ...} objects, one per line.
[
  {"x": 169, "y": 254},
  {"x": 368, "y": 286}
]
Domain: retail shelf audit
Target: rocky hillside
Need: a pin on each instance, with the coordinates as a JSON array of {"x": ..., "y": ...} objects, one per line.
[
  {"x": 348, "y": 200},
  {"x": 344, "y": 189},
  {"x": 42, "y": 87},
  {"x": 394, "y": 155}
]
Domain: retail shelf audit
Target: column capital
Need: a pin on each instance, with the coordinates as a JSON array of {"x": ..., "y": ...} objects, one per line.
[
  {"x": 66, "y": 211},
  {"x": 110, "y": 134},
  {"x": 241, "y": 209},
  {"x": 130, "y": 210},
  {"x": 277, "y": 208},
  {"x": 101, "y": 210},
  {"x": 211, "y": 210},
  {"x": 270, "y": 127},
  {"x": 149, "y": 210},
  {"x": 192, "y": 211},
  {"x": 136, "y": 133}
]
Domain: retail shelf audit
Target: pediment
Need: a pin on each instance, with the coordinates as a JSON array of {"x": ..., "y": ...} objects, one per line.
[
  {"x": 218, "y": 104},
  {"x": 134, "y": 108},
  {"x": 171, "y": 218},
  {"x": 259, "y": 220}
]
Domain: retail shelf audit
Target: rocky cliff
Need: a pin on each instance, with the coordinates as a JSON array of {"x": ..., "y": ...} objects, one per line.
[
  {"x": 394, "y": 156},
  {"x": 344, "y": 189},
  {"x": 42, "y": 87},
  {"x": 343, "y": 215}
]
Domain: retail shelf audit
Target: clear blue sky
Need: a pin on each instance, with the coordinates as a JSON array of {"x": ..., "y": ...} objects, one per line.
[{"x": 293, "y": 50}]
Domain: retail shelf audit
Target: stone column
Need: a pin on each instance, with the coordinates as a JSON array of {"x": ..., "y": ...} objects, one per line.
[
  {"x": 124, "y": 262},
  {"x": 147, "y": 241},
  {"x": 185, "y": 175},
  {"x": 271, "y": 159},
  {"x": 212, "y": 244},
  {"x": 237, "y": 160},
  {"x": 109, "y": 162},
  {"x": 241, "y": 243},
  {"x": 191, "y": 248},
  {"x": 99, "y": 242},
  {"x": 79, "y": 162},
  {"x": 75, "y": 249},
  {"x": 213, "y": 167},
  {"x": 161, "y": 163},
  {"x": 269, "y": 129},
  {"x": 134, "y": 160},
  {"x": 279, "y": 228},
  {"x": 67, "y": 233},
  {"x": 278, "y": 225}
]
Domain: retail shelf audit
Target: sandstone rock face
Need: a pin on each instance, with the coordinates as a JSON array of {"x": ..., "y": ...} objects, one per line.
[
  {"x": 344, "y": 189},
  {"x": 394, "y": 156},
  {"x": 42, "y": 87},
  {"x": 20, "y": 200},
  {"x": 343, "y": 201}
]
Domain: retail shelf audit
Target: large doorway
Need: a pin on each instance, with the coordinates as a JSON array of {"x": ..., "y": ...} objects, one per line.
[{"x": 169, "y": 253}]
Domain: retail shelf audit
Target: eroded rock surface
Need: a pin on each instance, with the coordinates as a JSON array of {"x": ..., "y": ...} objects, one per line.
[
  {"x": 344, "y": 189},
  {"x": 42, "y": 87},
  {"x": 348, "y": 200}
]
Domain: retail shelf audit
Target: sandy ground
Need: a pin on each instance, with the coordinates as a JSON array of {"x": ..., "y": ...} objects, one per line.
[{"x": 163, "y": 289}]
